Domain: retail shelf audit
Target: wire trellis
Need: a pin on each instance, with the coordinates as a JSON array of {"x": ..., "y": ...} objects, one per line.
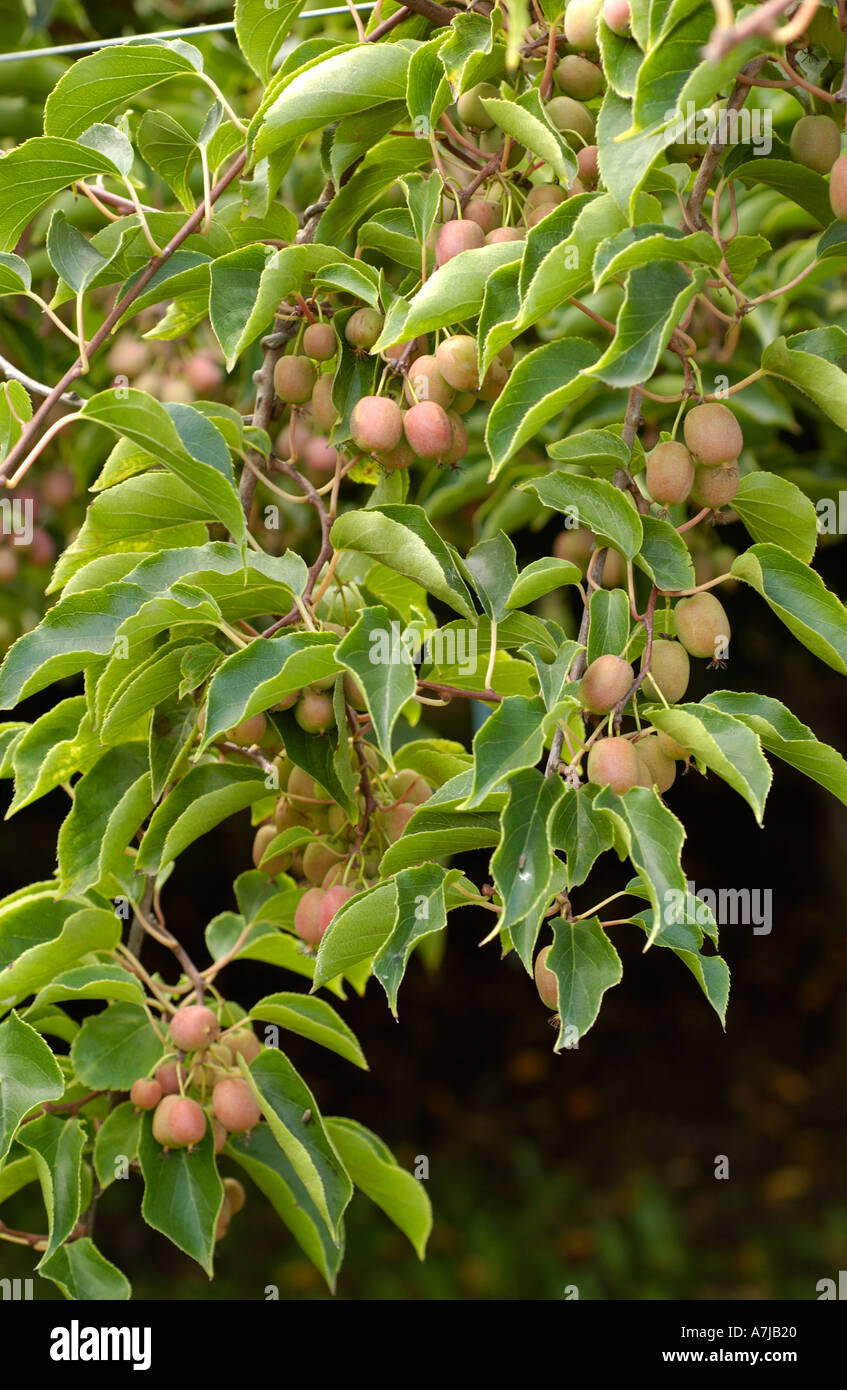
[{"x": 91, "y": 45}]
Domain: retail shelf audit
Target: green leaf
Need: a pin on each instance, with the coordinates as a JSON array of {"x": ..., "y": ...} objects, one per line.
[
  {"x": 453, "y": 293},
  {"x": 800, "y": 599},
  {"x": 559, "y": 252},
  {"x": 652, "y": 837},
  {"x": 522, "y": 865},
  {"x": 115, "y": 1047},
  {"x": 261, "y": 674},
  {"x": 179, "y": 439},
  {"x": 183, "y": 1194},
  {"x": 386, "y": 162},
  {"x": 263, "y": 1160},
  {"x": 92, "y": 981},
  {"x": 664, "y": 556},
  {"x": 725, "y": 745},
  {"x": 83, "y": 1274},
  {"x": 29, "y": 1075},
  {"x": 792, "y": 181},
  {"x": 783, "y": 735},
  {"x": 427, "y": 92},
  {"x": 608, "y": 630},
  {"x": 493, "y": 569},
  {"x": 774, "y": 510},
  {"x": 421, "y": 910},
  {"x": 71, "y": 255},
  {"x": 207, "y": 795},
  {"x": 585, "y": 964},
  {"x": 656, "y": 298},
  {"x": 375, "y": 1170},
  {"x": 402, "y": 538},
  {"x": 312, "y": 1018},
  {"x": 49, "y": 751},
  {"x": 541, "y": 577},
  {"x": 357, "y": 931},
  {"x": 56, "y": 1145},
  {"x": 386, "y": 685},
  {"x": 34, "y": 172},
  {"x": 534, "y": 134},
  {"x": 94, "y": 85},
  {"x": 170, "y": 151},
  {"x": 540, "y": 386},
  {"x": 261, "y": 30},
  {"x": 512, "y": 738},
  {"x": 599, "y": 506},
  {"x": 110, "y": 802},
  {"x": 580, "y": 832},
  {"x": 625, "y": 163},
  {"x": 822, "y": 381},
  {"x": 296, "y": 1123},
  {"x": 339, "y": 85},
  {"x": 91, "y": 929}
]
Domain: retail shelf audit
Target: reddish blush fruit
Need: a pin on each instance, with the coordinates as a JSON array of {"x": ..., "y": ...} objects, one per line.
[
  {"x": 428, "y": 430},
  {"x": 235, "y": 1105},
  {"x": 457, "y": 236},
  {"x": 307, "y": 916},
  {"x": 545, "y": 981},
  {"x": 145, "y": 1093},
  {"x": 193, "y": 1026}
]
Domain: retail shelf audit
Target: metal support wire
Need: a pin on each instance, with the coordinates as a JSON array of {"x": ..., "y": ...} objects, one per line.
[{"x": 91, "y": 45}]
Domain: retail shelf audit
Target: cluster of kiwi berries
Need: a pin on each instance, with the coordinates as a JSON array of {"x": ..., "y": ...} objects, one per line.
[
  {"x": 437, "y": 390},
  {"x": 703, "y": 470},
  {"x": 335, "y": 864}
]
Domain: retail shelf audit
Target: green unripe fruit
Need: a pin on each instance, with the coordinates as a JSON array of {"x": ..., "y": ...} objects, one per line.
[
  {"x": 713, "y": 434},
  {"x": 670, "y": 671},
  {"x": 714, "y": 487},
  {"x": 248, "y": 732},
  {"x": 456, "y": 360},
  {"x": 545, "y": 981},
  {"x": 579, "y": 78},
  {"x": 396, "y": 820},
  {"x": 409, "y": 786},
  {"x": 581, "y": 23},
  {"x": 471, "y": 110},
  {"x": 289, "y": 814},
  {"x": 318, "y": 859},
  {"x": 428, "y": 430},
  {"x": 353, "y": 693},
  {"x": 574, "y": 544},
  {"x": 320, "y": 342},
  {"x": 542, "y": 194},
  {"x": 235, "y": 1195},
  {"x": 660, "y": 768},
  {"x": 235, "y": 1105},
  {"x": 457, "y": 236},
  {"x": 701, "y": 624},
  {"x": 572, "y": 119},
  {"x": 617, "y": 15},
  {"x": 314, "y": 712},
  {"x": 606, "y": 681},
  {"x": 505, "y": 234},
  {"x": 294, "y": 379},
  {"x": 301, "y": 784},
  {"x": 816, "y": 143},
  {"x": 425, "y": 383},
  {"x": 324, "y": 412},
  {"x": 168, "y": 1077},
  {"x": 459, "y": 446},
  {"x": 186, "y": 1122},
  {"x": 613, "y": 762},
  {"x": 193, "y": 1026},
  {"x": 161, "y": 1129},
  {"x": 331, "y": 903},
  {"x": 484, "y": 213},
  {"x": 264, "y": 836},
  {"x": 491, "y": 141},
  {"x": 670, "y": 474},
  {"x": 396, "y": 459},
  {"x": 363, "y": 328},
  {"x": 145, "y": 1093},
  {"x": 671, "y": 748},
  {"x": 838, "y": 188},
  {"x": 336, "y": 820},
  {"x": 376, "y": 423},
  {"x": 244, "y": 1043},
  {"x": 307, "y": 916},
  {"x": 587, "y": 164}
]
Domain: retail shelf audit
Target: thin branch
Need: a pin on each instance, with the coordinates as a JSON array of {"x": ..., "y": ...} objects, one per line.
[
  {"x": 707, "y": 168},
  {"x": 38, "y": 387}
]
